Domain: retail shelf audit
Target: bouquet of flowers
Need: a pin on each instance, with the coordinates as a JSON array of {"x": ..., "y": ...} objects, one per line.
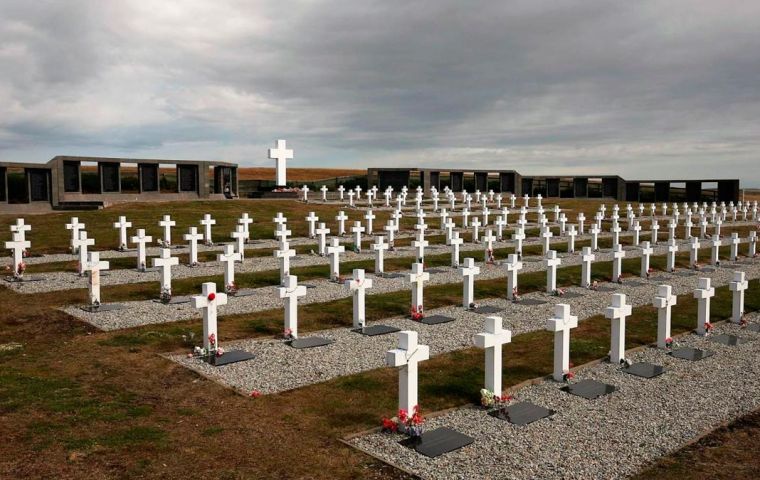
[
  {"x": 708, "y": 327},
  {"x": 166, "y": 295},
  {"x": 231, "y": 288},
  {"x": 567, "y": 376},
  {"x": 489, "y": 399},
  {"x": 558, "y": 292},
  {"x": 668, "y": 342},
  {"x": 416, "y": 313},
  {"x": 489, "y": 256},
  {"x": 20, "y": 269},
  {"x": 515, "y": 295},
  {"x": 122, "y": 247},
  {"x": 287, "y": 334},
  {"x": 405, "y": 423}
]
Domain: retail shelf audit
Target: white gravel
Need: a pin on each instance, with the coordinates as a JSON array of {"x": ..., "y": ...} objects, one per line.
[{"x": 611, "y": 437}]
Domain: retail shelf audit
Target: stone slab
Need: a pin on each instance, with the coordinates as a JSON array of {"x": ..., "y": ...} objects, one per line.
[
  {"x": 522, "y": 413},
  {"x": 487, "y": 309},
  {"x": 174, "y": 300},
  {"x": 375, "y": 330},
  {"x": 103, "y": 307},
  {"x": 606, "y": 289},
  {"x": 308, "y": 285},
  {"x": 389, "y": 275},
  {"x": 531, "y": 302},
  {"x": 245, "y": 292},
  {"x": 636, "y": 283},
  {"x": 730, "y": 340},
  {"x": 590, "y": 389},
  {"x": 309, "y": 342},
  {"x": 685, "y": 273},
  {"x": 436, "y": 319},
  {"x": 438, "y": 442},
  {"x": 645, "y": 370},
  {"x": 754, "y": 327},
  {"x": 571, "y": 295},
  {"x": 23, "y": 280},
  {"x": 230, "y": 357},
  {"x": 435, "y": 270},
  {"x": 692, "y": 354}
]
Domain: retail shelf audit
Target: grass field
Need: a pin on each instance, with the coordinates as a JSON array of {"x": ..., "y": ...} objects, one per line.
[{"x": 79, "y": 403}]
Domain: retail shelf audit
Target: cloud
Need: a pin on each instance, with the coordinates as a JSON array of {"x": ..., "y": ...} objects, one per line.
[{"x": 652, "y": 88}]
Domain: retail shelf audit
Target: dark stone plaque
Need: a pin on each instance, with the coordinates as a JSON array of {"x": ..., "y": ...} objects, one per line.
[
  {"x": 658, "y": 278},
  {"x": 530, "y": 301},
  {"x": 438, "y": 442},
  {"x": 148, "y": 177},
  {"x": 693, "y": 354},
  {"x": 187, "y": 180},
  {"x": 103, "y": 307},
  {"x": 246, "y": 292},
  {"x": 522, "y": 413},
  {"x": 389, "y": 275},
  {"x": 685, "y": 273},
  {"x": 646, "y": 370},
  {"x": 375, "y": 330},
  {"x": 110, "y": 177},
  {"x": 589, "y": 389},
  {"x": 174, "y": 300},
  {"x": 310, "y": 342},
  {"x": 571, "y": 295},
  {"x": 436, "y": 319},
  {"x": 707, "y": 269},
  {"x": 230, "y": 357},
  {"x": 635, "y": 283},
  {"x": 487, "y": 309},
  {"x": 754, "y": 327},
  {"x": 435, "y": 270},
  {"x": 23, "y": 279},
  {"x": 38, "y": 185},
  {"x": 606, "y": 289},
  {"x": 730, "y": 340},
  {"x": 308, "y": 285}
]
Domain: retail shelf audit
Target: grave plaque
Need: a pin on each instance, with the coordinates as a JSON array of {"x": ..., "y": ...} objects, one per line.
[
  {"x": 635, "y": 283},
  {"x": 730, "y": 340},
  {"x": 685, "y": 273},
  {"x": 693, "y": 354},
  {"x": 375, "y": 330},
  {"x": 590, "y": 389},
  {"x": 309, "y": 342},
  {"x": 103, "y": 307},
  {"x": 148, "y": 177},
  {"x": 522, "y": 413},
  {"x": 755, "y": 327},
  {"x": 435, "y": 270},
  {"x": 245, "y": 292},
  {"x": 530, "y": 302},
  {"x": 436, "y": 319},
  {"x": 187, "y": 180},
  {"x": 487, "y": 309},
  {"x": 645, "y": 370},
  {"x": 572, "y": 295},
  {"x": 606, "y": 289},
  {"x": 390, "y": 275},
  {"x": 173, "y": 301},
  {"x": 230, "y": 357},
  {"x": 438, "y": 442}
]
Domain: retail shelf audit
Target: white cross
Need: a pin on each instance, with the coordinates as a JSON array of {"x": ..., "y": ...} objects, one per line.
[
  {"x": 735, "y": 241},
  {"x": 615, "y": 230},
  {"x": 500, "y": 223},
  {"x": 193, "y": 237},
  {"x": 468, "y": 272},
  {"x": 167, "y": 223},
  {"x": 284, "y": 253},
  {"x": 551, "y": 262},
  {"x": 486, "y": 213},
  {"x": 369, "y": 217},
  {"x": 671, "y": 256},
  {"x": 518, "y": 237},
  {"x": 229, "y": 257},
  {"x": 663, "y": 302},
  {"x": 379, "y": 247},
  {"x": 715, "y": 251},
  {"x": 341, "y": 189},
  {"x": 290, "y": 291},
  {"x": 546, "y": 234},
  {"x": 618, "y": 254},
  {"x": 74, "y": 226},
  {"x": 141, "y": 240},
  {"x": 751, "y": 244},
  {"x": 488, "y": 240},
  {"x": 122, "y": 225},
  {"x": 357, "y": 230},
  {"x": 165, "y": 262},
  {"x": 351, "y": 194},
  {"x": 417, "y": 278},
  {"x": 465, "y": 218},
  {"x": 18, "y": 245},
  {"x": 239, "y": 236},
  {"x": 358, "y": 285},
  {"x": 281, "y": 155},
  {"x": 738, "y": 286},
  {"x": 475, "y": 230},
  {"x": 672, "y": 225},
  {"x": 420, "y": 243},
  {"x": 617, "y": 312},
  {"x": 245, "y": 221},
  {"x": 322, "y": 233},
  {"x": 407, "y": 356},
  {"x": 81, "y": 245},
  {"x": 341, "y": 218},
  {"x": 334, "y": 251},
  {"x": 587, "y": 257},
  {"x": 324, "y": 189},
  {"x": 390, "y": 228},
  {"x": 94, "y": 266},
  {"x": 492, "y": 340},
  {"x": 562, "y": 223},
  {"x": 449, "y": 230},
  {"x": 209, "y": 301},
  {"x": 561, "y": 324},
  {"x": 595, "y": 237},
  {"x": 703, "y": 293},
  {"x": 207, "y": 222},
  {"x": 305, "y": 192},
  {"x": 514, "y": 265},
  {"x": 282, "y": 233},
  {"x": 312, "y": 219},
  {"x": 694, "y": 251}
]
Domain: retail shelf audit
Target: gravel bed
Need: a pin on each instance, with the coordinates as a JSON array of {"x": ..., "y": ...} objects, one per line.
[
  {"x": 353, "y": 353},
  {"x": 265, "y": 298},
  {"x": 611, "y": 437}
]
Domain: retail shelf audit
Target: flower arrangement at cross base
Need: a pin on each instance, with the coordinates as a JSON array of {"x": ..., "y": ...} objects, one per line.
[
  {"x": 489, "y": 256},
  {"x": 213, "y": 349},
  {"x": 287, "y": 334},
  {"x": 25, "y": 253},
  {"x": 515, "y": 296},
  {"x": 231, "y": 288},
  {"x": 163, "y": 244},
  {"x": 472, "y": 306},
  {"x": 404, "y": 423},
  {"x": 619, "y": 279},
  {"x": 166, "y": 295},
  {"x": 650, "y": 270},
  {"x": 416, "y": 313},
  {"x": 669, "y": 343},
  {"x": 567, "y": 376},
  {"x": 743, "y": 320},
  {"x": 594, "y": 285},
  {"x": 122, "y": 247},
  {"x": 708, "y": 327},
  {"x": 559, "y": 292},
  {"x": 18, "y": 272},
  {"x": 142, "y": 267},
  {"x": 208, "y": 243},
  {"x": 489, "y": 399}
]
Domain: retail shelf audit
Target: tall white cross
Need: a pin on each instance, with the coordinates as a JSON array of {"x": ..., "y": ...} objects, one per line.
[
  {"x": 617, "y": 313},
  {"x": 281, "y": 154},
  {"x": 551, "y": 263},
  {"x": 492, "y": 340},
  {"x": 500, "y": 224},
  {"x": 475, "y": 230},
  {"x": 122, "y": 225},
  {"x": 663, "y": 302},
  {"x": 284, "y": 253},
  {"x": 518, "y": 237},
  {"x": 74, "y": 226},
  {"x": 165, "y": 262},
  {"x": 18, "y": 245},
  {"x": 703, "y": 293},
  {"x": 229, "y": 257},
  {"x": 193, "y": 237},
  {"x": 357, "y": 230},
  {"x": 587, "y": 257},
  {"x": 334, "y": 251},
  {"x": 245, "y": 221},
  {"x": 561, "y": 324},
  {"x": 341, "y": 218},
  {"x": 465, "y": 218},
  {"x": 239, "y": 236},
  {"x": 167, "y": 223},
  {"x": 514, "y": 265},
  {"x": 207, "y": 222},
  {"x": 81, "y": 245},
  {"x": 455, "y": 243},
  {"x": 671, "y": 255},
  {"x": 322, "y": 233},
  {"x": 738, "y": 286},
  {"x": 369, "y": 217},
  {"x": 291, "y": 291},
  {"x": 546, "y": 234},
  {"x": 379, "y": 247},
  {"x": 209, "y": 301},
  {"x": 341, "y": 189},
  {"x": 618, "y": 254},
  {"x": 305, "y": 193},
  {"x": 468, "y": 272},
  {"x": 94, "y": 265},
  {"x": 655, "y": 229},
  {"x": 636, "y": 228},
  {"x": 752, "y": 244},
  {"x": 357, "y": 286},
  {"x": 581, "y": 223},
  {"x": 488, "y": 240},
  {"x": 419, "y": 244},
  {"x": 312, "y": 219},
  {"x": 595, "y": 237},
  {"x": 694, "y": 245},
  {"x": 417, "y": 278},
  {"x": 391, "y": 228},
  {"x": 734, "y": 242},
  {"x": 715, "y": 251},
  {"x": 324, "y": 189},
  {"x": 571, "y": 234},
  {"x": 351, "y": 194},
  {"x": 407, "y": 356},
  {"x": 140, "y": 239}
]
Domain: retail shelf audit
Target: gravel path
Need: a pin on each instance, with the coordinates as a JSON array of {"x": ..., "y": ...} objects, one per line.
[
  {"x": 279, "y": 367},
  {"x": 611, "y": 437}
]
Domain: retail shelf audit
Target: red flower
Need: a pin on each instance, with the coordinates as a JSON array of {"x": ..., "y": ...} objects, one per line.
[
  {"x": 389, "y": 425},
  {"x": 403, "y": 415},
  {"x": 211, "y": 296},
  {"x": 212, "y": 339},
  {"x": 255, "y": 394}
]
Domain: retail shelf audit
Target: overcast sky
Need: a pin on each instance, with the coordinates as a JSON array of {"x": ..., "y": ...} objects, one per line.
[{"x": 642, "y": 89}]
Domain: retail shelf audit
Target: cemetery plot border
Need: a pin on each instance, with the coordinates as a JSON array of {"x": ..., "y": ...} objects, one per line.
[{"x": 438, "y": 442}]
